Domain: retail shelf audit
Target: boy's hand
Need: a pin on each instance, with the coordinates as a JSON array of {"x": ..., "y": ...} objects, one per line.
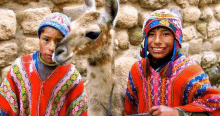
[{"x": 162, "y": 110}]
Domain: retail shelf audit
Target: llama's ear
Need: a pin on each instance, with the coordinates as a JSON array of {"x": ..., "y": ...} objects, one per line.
[
  {"x": 90, "y": 4},
  {"x": 110, "y": 13}
]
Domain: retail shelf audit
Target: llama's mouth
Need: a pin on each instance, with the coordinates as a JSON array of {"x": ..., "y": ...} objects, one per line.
[{"x": 59, "y": 59}]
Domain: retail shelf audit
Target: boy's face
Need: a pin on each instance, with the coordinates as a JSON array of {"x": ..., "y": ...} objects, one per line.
[
  {"x": 160, "y": 42},
  {"x": 49, "y": 38}
]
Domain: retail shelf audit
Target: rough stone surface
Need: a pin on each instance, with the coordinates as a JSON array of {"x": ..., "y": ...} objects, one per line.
[
  {"x": 8, "y": 24},
  {"x": 8, "y": 53},
  {"x": 31, "y": 19},
  {"x": 194, "y": 2},
  {"x": 206, "y": 14},
  {"x": 217, "y": 12},
  {"x": 215, "y": 44},
  {"x": 100, "y": 3},
  {"x": 189, "y": 33},
  {"x": 142, "y": 15},
  {"x": 3, "y": 1},
  {"x": 206, "y": 46},
  {"x": 127, "y": 17},
  {"x": 204, "y": 2},
  {"x": 202, "y": 27},
  {"x": 65, "y": 1},
  {"x": 213, "y": 29},
  {"x": 195, "y": 46},
  {"x": 191, "y": 14},
  {"x": 75, "y": 11},
  {"x": 31, "y": 45},
  {"x": 182, "y": 3},
  {"x": 185, "y": 49},
  {"x": 135, "y": 36},
  {"x": 122, "y": 37},
  {"x": 196, "y": 59},
  {"x": 208, "y": 59},
  {"x": 4, "y": 72},
  {"x": 153, "y": 4}
]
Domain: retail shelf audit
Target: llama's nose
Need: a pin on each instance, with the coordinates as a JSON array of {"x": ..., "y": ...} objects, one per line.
[{"x": 59, "y": 52}]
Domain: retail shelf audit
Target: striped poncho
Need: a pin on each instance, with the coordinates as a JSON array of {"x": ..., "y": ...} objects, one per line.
[
  {"x": 24, "y": 93},
  {"x": 185, "y": 86}
]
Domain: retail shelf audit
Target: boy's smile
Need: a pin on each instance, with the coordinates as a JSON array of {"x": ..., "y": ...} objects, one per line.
[{"x": 160, "y": 42}]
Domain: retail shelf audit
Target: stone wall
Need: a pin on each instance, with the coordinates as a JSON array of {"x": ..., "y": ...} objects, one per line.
[{"x": 19, "y": 20}]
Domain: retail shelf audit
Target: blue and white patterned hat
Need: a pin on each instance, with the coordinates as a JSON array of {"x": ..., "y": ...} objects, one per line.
[{"x": 58, "y": 21}]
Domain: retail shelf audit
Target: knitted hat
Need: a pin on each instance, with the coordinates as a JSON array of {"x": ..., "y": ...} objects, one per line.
[
  {"x": 164, "y": 18},
  {"x": 56, "y": 20}
]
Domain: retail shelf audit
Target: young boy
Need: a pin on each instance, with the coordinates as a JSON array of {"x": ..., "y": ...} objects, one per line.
[
  {"x": 37, "y": 86},
  {"x": 164, "y": 82}
]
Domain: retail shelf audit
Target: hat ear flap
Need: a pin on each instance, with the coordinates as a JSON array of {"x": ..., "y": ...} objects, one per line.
[{"x": 143, "y": 50}]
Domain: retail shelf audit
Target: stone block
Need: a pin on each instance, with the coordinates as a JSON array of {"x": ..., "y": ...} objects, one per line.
[
  {"x": 4, "y": 72},
  {"x": 191, "y": 14},
  {"x": 31, "y": 45},
  {"x": 217, "y": 12},
  {"x": 65, "y": 1},
  {"x": 185, "y": 49},
  {"x": 189, "y": 33},
  {"x": 8, "y": 24},
  {"x": 208, "y": 59},
  {"x": 206, "y": 46},
  {"x": 182, "y": 3},
  {"x": 195, "y": 46},
  {"x": 213, "y": 29},
  {"x": 196, "y": 58},
  {"x": 142, "y": 15},
  {"x": 202, "y": 27},
  {"x": 123, "y": 39},
  {"x": 3, "y": 1},
  {"x": 127, "y": 17},
  {"x": 75, "y": 11},
  {"x": 206, "y": 14},
  {"x": 135, "y": 36},
  {"x": 153, "y": 4},
  {"x": 216, "y": 44},
  {"x": 31, "y": 19},
  {"x": 8, "y": 52},
  {"x": 194, "y": 2}
]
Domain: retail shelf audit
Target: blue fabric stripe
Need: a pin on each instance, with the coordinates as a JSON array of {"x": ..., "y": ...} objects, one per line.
[
  {"x": 132, "y": 84},
  {"x": 133, "y": 89},
  {"x": 190, "y": 84},
  {"x": 2, "y": 113},
  {"x": 35, "y": 55},
  {"x": 202, "y": 90}
]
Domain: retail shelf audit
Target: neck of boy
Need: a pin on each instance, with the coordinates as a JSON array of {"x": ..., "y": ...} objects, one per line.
[{"x": 156, "y": 63}]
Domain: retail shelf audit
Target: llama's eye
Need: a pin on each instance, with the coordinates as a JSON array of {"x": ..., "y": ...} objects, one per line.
[{"x": 92, "y": 35}]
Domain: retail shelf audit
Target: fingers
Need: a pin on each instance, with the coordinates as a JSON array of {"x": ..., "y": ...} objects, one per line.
[{"x": 155, "y": 111}]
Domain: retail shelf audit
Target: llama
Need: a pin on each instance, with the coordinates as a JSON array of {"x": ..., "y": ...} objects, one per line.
[{"x": 91, "y": 37}]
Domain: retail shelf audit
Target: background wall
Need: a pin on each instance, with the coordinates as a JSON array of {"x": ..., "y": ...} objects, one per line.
[{"x": 19, "y": 20}]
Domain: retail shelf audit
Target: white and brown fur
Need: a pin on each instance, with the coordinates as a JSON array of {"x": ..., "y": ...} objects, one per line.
[{"x": 99, "y": 53}]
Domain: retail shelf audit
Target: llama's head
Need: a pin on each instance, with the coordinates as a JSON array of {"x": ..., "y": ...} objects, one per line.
[{"x": 90, "y": 35}]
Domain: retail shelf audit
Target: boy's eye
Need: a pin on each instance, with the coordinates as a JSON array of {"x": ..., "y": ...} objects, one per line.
[
  {"x": 150, "y": 34},
  {"x": 45, "y": 39},
  {"x": 166, "y": 33}
]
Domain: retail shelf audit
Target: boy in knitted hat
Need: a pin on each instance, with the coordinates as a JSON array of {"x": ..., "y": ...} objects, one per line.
[
  {"x": 164, "y": 82},
  {"x": 37, "y": 86}
]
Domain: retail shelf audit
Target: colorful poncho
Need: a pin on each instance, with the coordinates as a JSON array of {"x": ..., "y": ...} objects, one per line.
[
  {"x": 24, "y": 93},
  {"x": 185, "y": 86}
]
